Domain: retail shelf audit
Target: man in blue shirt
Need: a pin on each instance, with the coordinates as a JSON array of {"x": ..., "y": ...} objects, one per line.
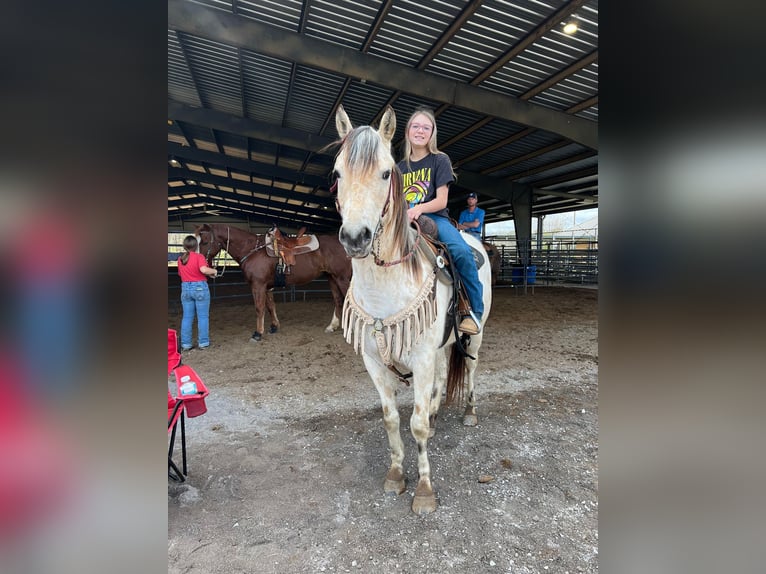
[{"x": 471, "y": 219}]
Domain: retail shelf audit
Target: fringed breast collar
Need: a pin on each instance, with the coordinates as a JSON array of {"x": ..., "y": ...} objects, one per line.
[{"x": 394, "y": 335}]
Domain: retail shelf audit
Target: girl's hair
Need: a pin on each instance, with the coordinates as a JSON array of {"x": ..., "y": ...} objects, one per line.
[
  {"x": 190, "y": 244},
  {"x": 407, "y": 147}
]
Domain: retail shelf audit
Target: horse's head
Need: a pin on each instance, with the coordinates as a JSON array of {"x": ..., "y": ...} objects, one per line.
[
  {"x": 207, "y": 242},
  {"x": 367, "y": 180}
]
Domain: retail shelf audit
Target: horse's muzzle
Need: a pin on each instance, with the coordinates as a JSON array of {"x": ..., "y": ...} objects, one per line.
[{"x": 356, "y": 244}]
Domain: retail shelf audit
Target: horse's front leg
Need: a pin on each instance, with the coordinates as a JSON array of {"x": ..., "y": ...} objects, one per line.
[
  {"x": 423, "y": 381},
  {"x": 259, "y": 297},
  {"x": 337, "y": 298},
  {"x": 272, "y": 308},
  {"x": 386, "y": 384}
]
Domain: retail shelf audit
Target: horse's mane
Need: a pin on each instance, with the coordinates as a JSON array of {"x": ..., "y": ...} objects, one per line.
[{"x": 362, "y": 145}]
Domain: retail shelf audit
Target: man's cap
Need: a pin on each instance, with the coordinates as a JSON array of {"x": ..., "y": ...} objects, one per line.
[{"x": 472, "y": 194}]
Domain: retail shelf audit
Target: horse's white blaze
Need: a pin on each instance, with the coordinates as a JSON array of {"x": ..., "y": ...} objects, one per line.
[{"x": 387, "y": 292}]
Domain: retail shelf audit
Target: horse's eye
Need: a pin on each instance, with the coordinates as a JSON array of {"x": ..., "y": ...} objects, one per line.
[
  {"x": 387, "y": 174},
  {"x": 335, "y": 174}
]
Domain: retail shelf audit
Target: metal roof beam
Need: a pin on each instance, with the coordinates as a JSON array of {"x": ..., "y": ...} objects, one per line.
[
  {"x": 267, "y": 217},
  {"x": 251, "y": 128},
  {"x": 244, "y": 165},
  {"x": 185, "y": 174},
  {"x": 279, "y": 43},
  {"x": 230, "y": 199}
]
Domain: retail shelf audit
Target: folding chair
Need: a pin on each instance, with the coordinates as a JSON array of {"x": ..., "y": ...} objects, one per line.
[{"x": 180, "y": 406}]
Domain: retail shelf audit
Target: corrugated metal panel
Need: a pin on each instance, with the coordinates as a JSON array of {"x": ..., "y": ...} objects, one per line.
[
  {"x": 411, "y": 28},
  {"x": 362, "y": 102},
  {"x": 267, "y": 81},
  {"x": 496, "y": 132},
  {"x": 488, "y": 34},
  {"x": 561, "y": 170},
  {"x": 216, "y": 70},
  {"x": 180, "y": 83},
  {"x": 340, "y": 21},
  {"x": 313, "y": 95},
  {"x": 279, "y": 13},
  {"x": 537, "y": 161}
]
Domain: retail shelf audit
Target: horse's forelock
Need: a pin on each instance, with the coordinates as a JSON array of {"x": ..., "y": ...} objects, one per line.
[{"x": 361, "y": 146}]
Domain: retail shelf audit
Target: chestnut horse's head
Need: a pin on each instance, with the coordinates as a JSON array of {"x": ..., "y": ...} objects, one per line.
[{"x": 207, "y": 242}]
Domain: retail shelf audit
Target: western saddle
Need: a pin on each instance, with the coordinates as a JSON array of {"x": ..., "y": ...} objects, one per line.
[{"x": 287, "y": 247}]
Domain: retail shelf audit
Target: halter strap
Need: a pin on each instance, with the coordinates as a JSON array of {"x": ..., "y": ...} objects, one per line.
[{"x": 379, "y": 262}]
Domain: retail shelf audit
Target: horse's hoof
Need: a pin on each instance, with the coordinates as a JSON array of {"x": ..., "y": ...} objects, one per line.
[
  {"x": 431, "y": 432},
  {"x": 273, "y": 329},
  {"x": 470, "y": 420},
  {"x": 424, "y": 504},
  {"x": 395, "y": 482},
  {"x": 329, "y": 330},
  {"x": 256, "y": 337},
  {"x": 424, "y": 501}
]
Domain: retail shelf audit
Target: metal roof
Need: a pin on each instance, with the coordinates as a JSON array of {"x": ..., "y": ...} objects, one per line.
[{"x": 253, "y": 87}]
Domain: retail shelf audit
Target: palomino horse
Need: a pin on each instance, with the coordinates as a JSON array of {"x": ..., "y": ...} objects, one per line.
[
  {"x": 259, "y": 269},
  {"x": 396, "y": 309}
]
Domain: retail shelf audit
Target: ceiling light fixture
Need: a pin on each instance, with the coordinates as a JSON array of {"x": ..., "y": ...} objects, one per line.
[
  {"x": 572, "y": 25},
  {"x": 174, "y": 162}
]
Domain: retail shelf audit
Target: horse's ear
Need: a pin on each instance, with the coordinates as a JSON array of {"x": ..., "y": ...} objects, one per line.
[
  {"x": 387, "y": 124},
  {"x": 342, "y": 123}
]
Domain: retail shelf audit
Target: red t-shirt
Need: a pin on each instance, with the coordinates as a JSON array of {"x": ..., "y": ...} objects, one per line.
[{"x": 190, "y": 271}]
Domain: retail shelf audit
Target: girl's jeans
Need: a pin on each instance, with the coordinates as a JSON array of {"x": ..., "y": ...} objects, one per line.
[
  {"x": 464, "y": 262},
  {"x": 195, "y": 300}
]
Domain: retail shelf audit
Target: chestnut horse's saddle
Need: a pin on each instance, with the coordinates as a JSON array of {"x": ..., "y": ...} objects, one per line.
[{"x": 287, "y": 247}]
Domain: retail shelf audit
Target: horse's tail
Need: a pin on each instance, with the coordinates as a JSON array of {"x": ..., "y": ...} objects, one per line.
[{"x": 455, "y": 376}]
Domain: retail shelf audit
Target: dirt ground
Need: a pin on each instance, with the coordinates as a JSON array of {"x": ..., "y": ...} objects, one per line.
[{"x": 286, "y": 468}]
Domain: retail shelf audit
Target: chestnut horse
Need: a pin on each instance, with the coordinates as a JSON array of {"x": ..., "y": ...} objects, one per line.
[
  {"x": 396, "y": 309},
  {"x": 259, "y": 269}
]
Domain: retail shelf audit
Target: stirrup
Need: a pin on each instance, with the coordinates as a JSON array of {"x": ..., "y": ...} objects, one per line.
[{"x": 470, "y": 324}]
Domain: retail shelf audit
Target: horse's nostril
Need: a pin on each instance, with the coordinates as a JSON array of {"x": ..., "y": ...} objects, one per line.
[{"x": 356, "y": 241}]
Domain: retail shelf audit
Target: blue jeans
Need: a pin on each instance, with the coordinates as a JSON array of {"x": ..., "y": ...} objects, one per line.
[
  {"x": 195, "y": 299},
  {"x": 463, "y": 260}
]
